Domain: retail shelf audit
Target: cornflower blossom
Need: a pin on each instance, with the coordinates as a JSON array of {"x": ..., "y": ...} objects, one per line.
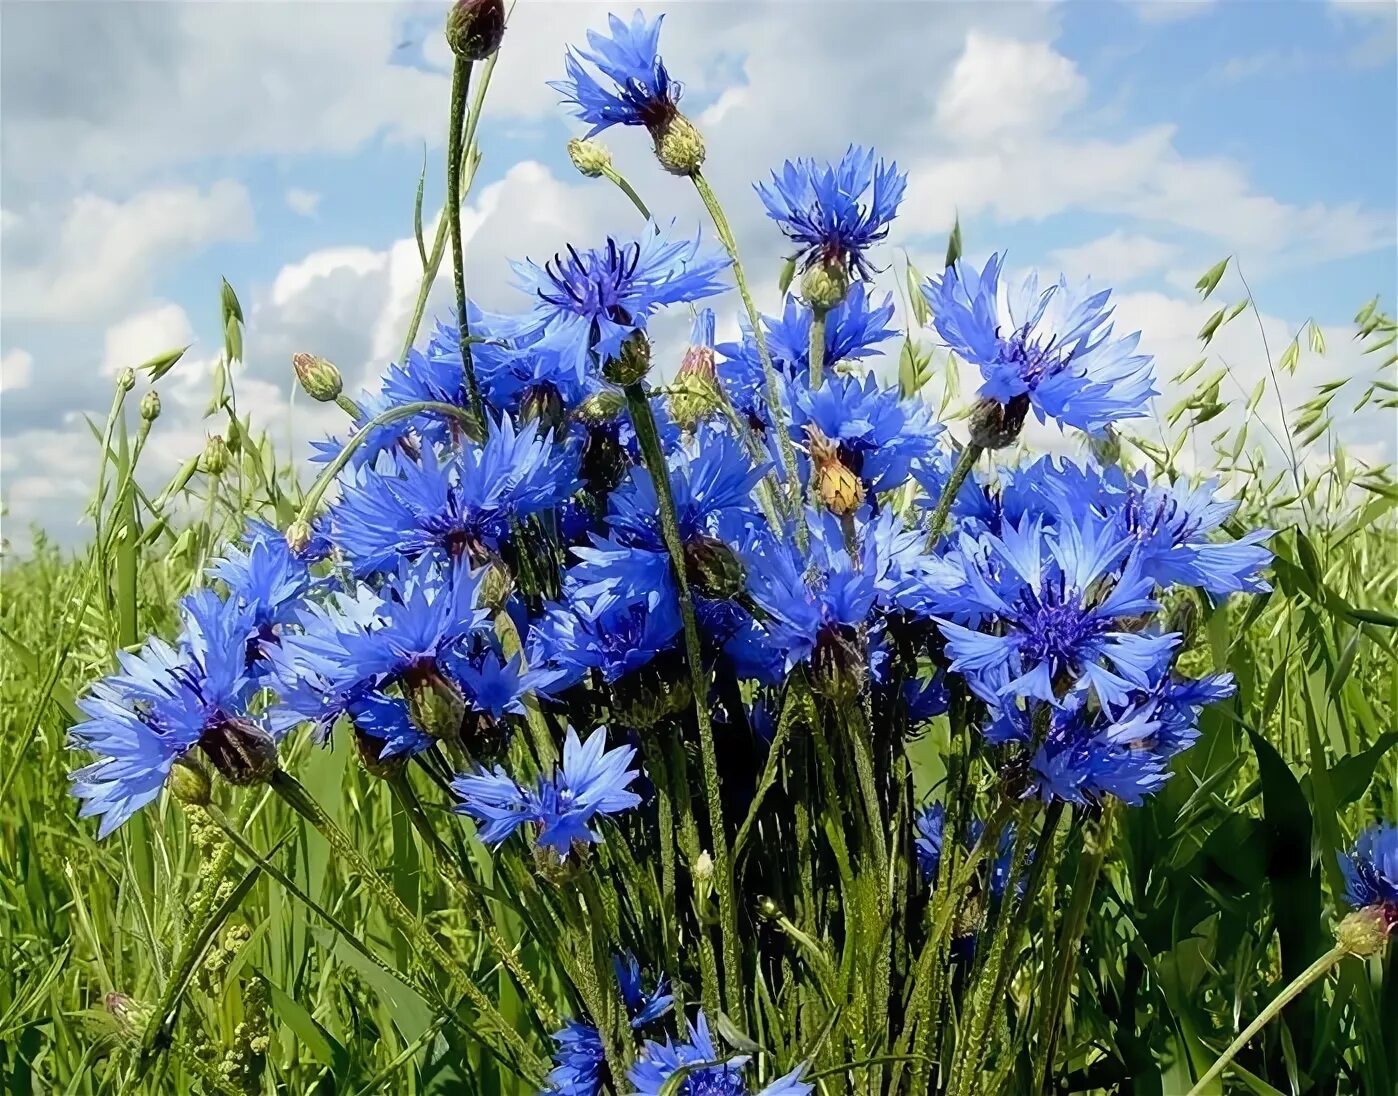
[
  {"x": 462, "y": 505},
  {"x": 591, "y": 782},
  {"x": 659, "y": 1062},
  {"x": 1371, "y": 871},
  {"x": 587, "y": 303},
  {"x": 1051, "y": 349},
  {"x": 163, "y": 702},
  {"x": 616, "y": 637},
  {"x": 579, "y": 1057},
  {"x": 824, "y": 211},
  {"x": 641, "y": 92},
  {"x": 1068, "y": 602},
  {"x": 929, "y": 826}
]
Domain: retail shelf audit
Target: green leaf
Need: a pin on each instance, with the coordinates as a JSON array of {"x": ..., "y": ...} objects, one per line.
[
  {"x": 1351, "y": 776},
  {"x": 312, "y": 1035},
  {"x": 731, "y": 1035},
  {"x": 954, "y": 242},
  {"x": 1209, "y": 282},
  {"x": 1290, "y": 356}
]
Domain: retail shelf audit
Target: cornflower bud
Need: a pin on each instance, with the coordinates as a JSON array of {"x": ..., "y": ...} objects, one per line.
[
  {"x": 713, "y": 568},
  {"x": 370, "y": 749},
  {"x": 1364, "y": 932},
  {"x": 150, "y": 406},
  {"x": 496, "y": 586},
  {"x": 434, "y": 703},
  {"x": 695, "y": 395},
  {"x": 679, "y": 146},
  {"x": 242, "y": 752},
  {"x": 543, "y": 403},
  {"x": 824, "y": 285},
  {"x": 601, "y": 407},
  {"x": 632, "y": 361},
  {"x": 188, "y": 781},
  {"x": 126, "y": 379},
  {"x": 298, "y": 536},
  {"x": 215, "y": 459},
  {"x": 475, "y": 27},
  {"x": 839, "y": 489},
  {"x": 591, "y": 158},
  {"x": 995, "y": 425},
  {"x": 319, "y": 378}
]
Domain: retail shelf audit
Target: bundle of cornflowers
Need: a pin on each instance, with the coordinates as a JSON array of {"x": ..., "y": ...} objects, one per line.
[{"x": 669, "y": 676}]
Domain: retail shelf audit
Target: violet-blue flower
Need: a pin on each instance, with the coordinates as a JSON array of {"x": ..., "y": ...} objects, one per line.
[
  {"x": 1371, "y": 869},
  {"x": 659, "y": 1062},
  {"x": 641, "y": 92}
]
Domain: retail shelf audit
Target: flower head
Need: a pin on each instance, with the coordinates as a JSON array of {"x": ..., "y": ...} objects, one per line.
[
  {"x": 1053, "y": 348},
  {"x": 592, "y": 781},
  {"x": 1371, "y": 869},
  {"x": 659, "y": 1062},
  {"x": 616, "y": 636},
  {"x": 587, "y": 303},
  {"x": 825, "y": 212},
  {"x": 264, "y": 577},
  {"x": 641, "y": 92}
]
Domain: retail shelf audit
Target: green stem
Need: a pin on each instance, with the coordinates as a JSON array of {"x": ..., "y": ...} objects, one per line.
[
  {"x": 311, "y": 503},
  {"x": 678, "y": 771},
  {"x": 964, "y": 464},
  {"x": 627, "y": 189},
  {"x": 303, "y": 803},
  {"x": 1312, "y": 973},
  {"x": 665, "y": 810},
  {"x": 460, "y": 85},
  {"x": 817, "y": 346},
  {"x": 769, "y": 372},
  {"x": 643, "y": 421}
]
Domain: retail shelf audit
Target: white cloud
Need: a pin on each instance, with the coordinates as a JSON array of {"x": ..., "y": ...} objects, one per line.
[
  {"x": 140, "y": 337},
  {"x": 1118, "y": 258},
  {"x": 303, "y": 202},
  {"x": 1004, "y": 87},
  {"x": 102, "y": 255},
  {"x": 1170, "y": 11},
  {"x": 16, "y": 368}
]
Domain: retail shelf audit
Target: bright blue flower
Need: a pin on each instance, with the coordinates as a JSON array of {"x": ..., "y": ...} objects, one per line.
[
  {"x": 494, "y": 686},
  {"x": 824, "y": 212},
  {"x": 162, "y": 703},
  {"x": 588, "y": 302},
  {"x": 592, "y": 781},
  {"x": 643, "y": 1007},
  {"x": 925, "y": 698},
  {"x": 386, "y": 722},
  {"x": 265, "y": 578},
  {"x": 878, "y": 433},
  {"x": 461, "y": 506},
  {"x": 661, "y": 1061},
  {"x": 579, "y": 1060},
  {"x": 1063, "y": 602},
  {"x": 930, "y": 825},
  {"x": 617, "y": 638},
  {"x": 1054, "y": 347},
  {"x": 1371, "y": 869},
  {"x": 641, "y": 91}
]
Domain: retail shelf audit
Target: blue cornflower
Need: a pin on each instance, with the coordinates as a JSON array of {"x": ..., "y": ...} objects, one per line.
[
  {"x": 1053, "y": 350},
  {"x": 930, "y": 825},
  {"x": 641, "y": 91},
  {"x": 265, "y": 578},
  {"x": 579, "y": 1056},
  {"x": 1371, "y": 869},
  {"x": 821, "y": 209},
  {"x": 642, "y": 1007},
  {"x": 162, "y": 703},
  {"x": 877, "y": 433},
  {"x": 1064, "y": 602},
  {"x": 661, "y": 1061},
  {"x": 616, "y": 638},
  {"x": 461, "y": 506},
  {"x": 385, "y": 725},
  {"x": 588, "y": 302},
  {"x": 493, "y": 685},
  {"x": 592, "y": 781},
  {"x": 853, "y": 330}
]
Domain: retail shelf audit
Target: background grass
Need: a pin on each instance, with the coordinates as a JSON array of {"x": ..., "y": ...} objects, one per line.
[{"x": 1214, "y": 894}]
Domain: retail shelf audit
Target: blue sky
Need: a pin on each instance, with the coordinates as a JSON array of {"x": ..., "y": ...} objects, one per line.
[{"x": 149, "y": 148}]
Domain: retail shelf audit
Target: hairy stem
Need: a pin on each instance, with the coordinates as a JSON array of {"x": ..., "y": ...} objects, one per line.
[
  {"x": 964, "y": 464},
  {"x": 817, "y": 346},
  {"x": 460, "y": 84}
]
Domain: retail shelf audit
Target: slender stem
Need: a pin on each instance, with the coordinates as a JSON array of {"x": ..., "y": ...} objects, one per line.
[
  {"x": 788, "y": 451},
  {"x": 1312, "y": 973},
  {"x": 678, "y": 770},
  {"x": 460, "y": 84},
  {"x": 665, "y": 810},
  {"x": 404, "y": 411},
  {"x": 817, "y": 346},
  {"x": 298, "y": 799},
  {"x": 627, "y": 189},
  {"x": 964, "y": 464},
  {"x": 643, "y": 420}
]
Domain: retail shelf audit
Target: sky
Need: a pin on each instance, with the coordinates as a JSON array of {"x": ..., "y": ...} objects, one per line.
[{"x": 149, "y": 148}]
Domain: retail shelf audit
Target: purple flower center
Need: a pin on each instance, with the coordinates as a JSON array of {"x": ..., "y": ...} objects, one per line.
[
  {"x": 1055, "y": 629},
  {"x": 1032, "y": 362},
  {"x": 595, "y": 283},
  {"x": 1148, "y": 513},
  {"x": 717, "y": 1081}
]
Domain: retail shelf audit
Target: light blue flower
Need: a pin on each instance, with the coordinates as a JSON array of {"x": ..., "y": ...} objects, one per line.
[
  {"x": 641, "y": 92},
  {"x": 661, "y": 1061}
]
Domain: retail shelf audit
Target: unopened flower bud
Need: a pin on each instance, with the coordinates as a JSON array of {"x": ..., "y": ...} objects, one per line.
[
  {"x": 679, "y": 146},
  {"x": 632, "y": 361},
  {"x": 188, "y": 781},
  {"x": 496, "y": 586},
  {"x": 839, "y": 489},
  {"x": 695, "y": 395},
  {"x": 767, "y": 909},
  {"x": 837, "y": 666},
  {"x": 995, "y": 425},
  {"x": 601, "y": 407},
  {"x": 126, "y": 379},
  {"x": 150, "y": 406},
  {"x": 215, "y": 459},
  {"x": 591, "y": 158},
  {"x": 318, "y": 377},
  {"x": 542, "y": 403},
  {"x": 703, "y": 869},
  {"x": 824, "y": 285},
  {"x": 241, "y": 751},
  {"x": 475, "y": 28},
  {"x": 298, "y": 536},
  {"x": 435, "y": 705},
  {"x": 370, "y": 749},
  {"x": 1364, "y": 932}
]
